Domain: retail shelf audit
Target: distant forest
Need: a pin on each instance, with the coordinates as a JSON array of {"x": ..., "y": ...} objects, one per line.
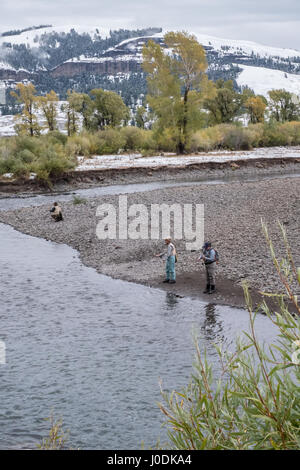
[{"x": 17, "y": 32}]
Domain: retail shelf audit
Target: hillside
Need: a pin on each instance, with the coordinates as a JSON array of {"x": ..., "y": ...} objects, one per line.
[
  {"x": 262, "y": 79},
  {"x": 83, "y": 58}
]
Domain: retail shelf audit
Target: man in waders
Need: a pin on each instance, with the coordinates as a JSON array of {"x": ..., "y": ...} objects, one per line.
[
  {"x": 56, "y": 212},
  {"x": 209, "y": 258},
  {"x": 170, "y": 258}
]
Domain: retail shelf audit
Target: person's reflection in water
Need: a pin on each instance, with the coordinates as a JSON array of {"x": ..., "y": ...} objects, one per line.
[
  {"x": 209, "y": 327},
  {"x": 171, "y": 300}
]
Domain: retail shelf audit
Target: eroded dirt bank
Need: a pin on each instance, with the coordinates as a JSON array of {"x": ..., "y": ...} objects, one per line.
[{"x": 235, "y": 169}]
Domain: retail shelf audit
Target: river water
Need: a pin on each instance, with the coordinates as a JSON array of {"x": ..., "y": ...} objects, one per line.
[
  {"x": 92, "y": 349},
  {"x": 12, "y": 203}
]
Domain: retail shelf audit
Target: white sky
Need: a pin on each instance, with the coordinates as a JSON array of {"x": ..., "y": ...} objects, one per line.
[{"x": 271, "y": 22}]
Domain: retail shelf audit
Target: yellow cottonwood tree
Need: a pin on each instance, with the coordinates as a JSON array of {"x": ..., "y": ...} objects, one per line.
[
  {"x": 177, "y": 84},
  {"x": 48, "y": 106},
  {"x": 256, "y": 107},
  {"x": 26, "y": 95},
  {"x": 71, "y": 114}
]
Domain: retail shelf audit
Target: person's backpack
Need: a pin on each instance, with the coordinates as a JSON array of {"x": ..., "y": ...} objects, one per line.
[{"x": 216, "y": 256}]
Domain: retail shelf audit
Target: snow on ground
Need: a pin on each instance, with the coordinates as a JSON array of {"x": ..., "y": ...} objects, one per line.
[
  {"x": 262, "y": 80},
  {"x": 5, "y": 66},
  {"x": 98, "y": 60},
  {"x": 246, "y": 47},
  {"x": 234, "y": 45},
  {"x": 7, "y": 126},
  {"x": 29, "y": 37},
  {"x": 138, "y": 161},
  {"x": 8, "y": 122}
]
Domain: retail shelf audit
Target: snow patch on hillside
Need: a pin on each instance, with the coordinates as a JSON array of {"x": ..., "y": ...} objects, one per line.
[
  {"x": 98, "y": 60},
  {"x": 262, "y": 80},
  {"x": 245, "y": 47},
  {"x": 5, "y": 66}
]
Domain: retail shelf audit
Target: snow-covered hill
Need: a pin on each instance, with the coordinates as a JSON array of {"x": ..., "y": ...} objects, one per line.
[
  {"x": 262, "y": 80},
  {"x": 226, "y": 46},
  {"x": 66, "y": 61},
  {"x": 32, "y": 37},
  {"x": 245, "y": 47}
]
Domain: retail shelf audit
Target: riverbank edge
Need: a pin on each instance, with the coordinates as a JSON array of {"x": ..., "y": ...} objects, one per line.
[
  {"x": 73, "y": 180},
  {"x": 190, "y": 284}
]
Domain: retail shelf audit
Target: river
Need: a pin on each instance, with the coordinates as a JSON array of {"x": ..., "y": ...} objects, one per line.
[{"x": 92, "y": 349}]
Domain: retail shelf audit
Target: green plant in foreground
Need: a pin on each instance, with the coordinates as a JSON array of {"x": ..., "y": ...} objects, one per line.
[{"x": 254, "y": 402}]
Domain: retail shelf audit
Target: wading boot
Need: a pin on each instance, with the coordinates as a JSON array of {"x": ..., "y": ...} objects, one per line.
[
  {"x": 212, "y": 289},
  {"x": 206, "y": 291}
]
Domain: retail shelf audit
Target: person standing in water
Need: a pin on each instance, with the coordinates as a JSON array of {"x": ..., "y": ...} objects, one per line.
[{"x": 209, "y": 257}]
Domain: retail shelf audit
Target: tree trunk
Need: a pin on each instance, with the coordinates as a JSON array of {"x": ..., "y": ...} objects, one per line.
[
  {"x": 30, "y": 120},
  {"x": 31, "y": 126},
  {"x": 180, "y": 147},
  {"x": 183, "y": 135},
  {"x": 69, "y": 123}
]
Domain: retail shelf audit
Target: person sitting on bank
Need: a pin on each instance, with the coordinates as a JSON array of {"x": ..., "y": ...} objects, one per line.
[
  {"x": 209, "y": 258},
  {"x": 170, "y": 257},
  {"x": 56, "y": 212}
]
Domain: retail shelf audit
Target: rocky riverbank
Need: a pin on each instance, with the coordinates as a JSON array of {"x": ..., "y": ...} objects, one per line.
[{"x": 233, "y": 214}]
